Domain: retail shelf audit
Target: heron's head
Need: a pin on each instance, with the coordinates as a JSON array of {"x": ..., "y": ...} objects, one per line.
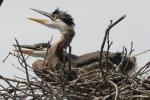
[{"x": 57, "y": 19}]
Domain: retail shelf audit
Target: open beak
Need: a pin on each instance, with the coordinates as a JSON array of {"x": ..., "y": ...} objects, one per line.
[
  {"x": 32, "y": 47},
  {"x": 39, "y": 46},
  {"x": 44, "y": 13},
  {"x": 30, "y": 52},
  {"x": 42, "y": 21},
  {"x": 25, "y": 46}
]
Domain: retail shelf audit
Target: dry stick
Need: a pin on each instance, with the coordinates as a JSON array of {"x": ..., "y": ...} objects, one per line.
[
  {"x": 124, "y": 52},
  {"x": 6, "y": 57},
  {"x": 19, "y": 58},
  {"x": 141, "y": 91},
  {"x": 145, "y": 71},
  {"x": 69, "y": 62},
  {"x": 142, "y": 53},
  {"x": 116, "y": 95},
  {"x": 108, "y": 48},
  {"x": 26, "y": 66},
  {"x": 49, "y": 42},
  {"x": 46, "y": 55},
  {"x": 63, "y": 68},
  {"x": 20, "y": 61},
  {"x": 6, "y": 90},
  {"x": 69, "y": 57},
  {"x": 131, "y": 49},
  {"x": 62, "y": 78},
  {"x": 77, "y": 97},
  {"x": 46, "y": 52},
  {"x": 139, "y": 71},
  {"x": 15, "y": 88},
  {"x": 104, "y": 41},
  {"x": 26, "y": 69},
  {"x": 82, "y": 75},
  {"x": 107, "y": 33},
  {"x": 15, "y": 94},
  {"x": 128, "y": 57},
  {"x": 22, "y": 82},
  {"x": 107, "y": 59},
  {"x": 107, "y": 96}
]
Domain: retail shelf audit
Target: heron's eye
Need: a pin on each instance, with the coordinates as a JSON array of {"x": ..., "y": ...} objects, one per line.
[{"x": 55, "y": 16}]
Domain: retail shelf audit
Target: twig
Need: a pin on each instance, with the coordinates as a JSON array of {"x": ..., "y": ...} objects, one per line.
[
  {"x": 124, "y": 53},
  {"x": 49, "y": 42},
  {"x": 26, "y": 66},
  {"x": 116, "y": 94},
  {"x": 107, "y": 33},
  {"x": 69, "y": 62},
  {"x": 141, "y": 53},
  {"x": 26, "y": 69},
  {"x": 6, "y": 57},
  {"x": 142, "y": 68},
  {"x": 107, "y": 96}
]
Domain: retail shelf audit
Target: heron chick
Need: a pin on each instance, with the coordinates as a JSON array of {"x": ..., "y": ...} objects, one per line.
[{"x": 55, "y": 58}]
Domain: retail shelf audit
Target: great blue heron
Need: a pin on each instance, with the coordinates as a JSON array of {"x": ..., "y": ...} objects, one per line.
[
  {"x": 55, "y": 57},
  {"x": 63, "y": 22}
]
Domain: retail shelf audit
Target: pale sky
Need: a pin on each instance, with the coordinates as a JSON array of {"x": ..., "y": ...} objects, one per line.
[{"x": 91, "y": 18}]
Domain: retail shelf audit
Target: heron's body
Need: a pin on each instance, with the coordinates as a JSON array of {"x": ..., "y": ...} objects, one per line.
[{"x": 87, "y": 59}]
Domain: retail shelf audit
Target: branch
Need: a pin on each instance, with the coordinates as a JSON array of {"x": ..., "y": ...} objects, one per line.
[
  {"x": 26, "y": 69},
  {"x": 107, "y": 33}
]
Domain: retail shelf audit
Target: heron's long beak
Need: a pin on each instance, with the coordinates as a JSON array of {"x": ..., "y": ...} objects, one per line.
[
  {"x": 34, "y": 53},
  {"x": 26, "y": 46},
  {"x": 39, "y": 46},
  {"x": 41, "y": 21},
  {"x": 27, "y": 52},
  {"x": 44, "y": 13}
]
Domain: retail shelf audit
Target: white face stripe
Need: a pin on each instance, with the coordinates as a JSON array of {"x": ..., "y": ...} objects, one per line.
[
  {"x": 57, "y": 24},
  {"x": 61, "y": 25}
]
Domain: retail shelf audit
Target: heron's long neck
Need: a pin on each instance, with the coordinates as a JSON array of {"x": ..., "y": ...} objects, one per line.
[
  {"x": 55, "y": 53},
  {"x": 65, "y": 40}
]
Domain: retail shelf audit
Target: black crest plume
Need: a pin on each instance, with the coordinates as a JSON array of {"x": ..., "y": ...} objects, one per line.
[{"x": 65, "y": 17}]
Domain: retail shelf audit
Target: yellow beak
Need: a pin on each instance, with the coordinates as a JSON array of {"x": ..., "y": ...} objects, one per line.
[
  {"x": 42, "y": 21},
  {"x": 27, "y": 52}
]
